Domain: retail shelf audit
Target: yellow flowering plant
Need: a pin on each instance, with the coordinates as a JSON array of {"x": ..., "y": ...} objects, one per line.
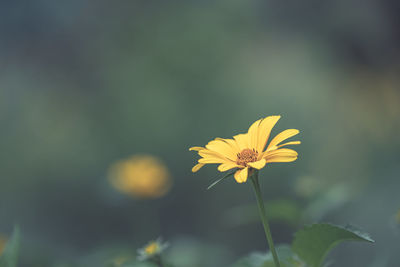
[{"x": 247, "y": 154}]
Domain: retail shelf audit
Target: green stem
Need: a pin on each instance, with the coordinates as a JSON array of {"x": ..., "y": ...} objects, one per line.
[
  {"x": 157, "y": 260},
  {"x": 261, "y": 209}
]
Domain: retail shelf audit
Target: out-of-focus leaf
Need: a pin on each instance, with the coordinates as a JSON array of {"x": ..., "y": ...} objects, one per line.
[
  {"x": 108, "y": 256},
  {"x": 187, "y": 251},
  {"x": 142, "y": 264},
  {"x": 313, "y": 243},
  {"x": 9, "y": 258},
  {"x": 136, "y": 263},
  {"x": 328, "y": 201},
  {"x": 286, "y": 258},
  {"x": 253, "y": 260}
]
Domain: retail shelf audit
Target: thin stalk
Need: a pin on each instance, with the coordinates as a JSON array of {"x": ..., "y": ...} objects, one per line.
[
  {"x": 263, "y": 216},
  {"x": 157, "y": 260}
]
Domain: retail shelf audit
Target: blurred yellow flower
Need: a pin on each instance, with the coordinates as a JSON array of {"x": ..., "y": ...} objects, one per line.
[
  {"x": 152, "y": 249},
  {"x": 120, "y": 260},
  {"x": 246, "y": 151},
  {"x": 141, "y": 176},
  {"x": 3, "y": 242},
  {"x": 398, "y": 217}
]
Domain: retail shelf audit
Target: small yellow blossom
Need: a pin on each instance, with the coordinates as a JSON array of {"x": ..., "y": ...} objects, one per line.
[
  {"x": 152, "y": 249},
  {"x": 248, "y": 151},
  {"x": 141, "y": 176}
]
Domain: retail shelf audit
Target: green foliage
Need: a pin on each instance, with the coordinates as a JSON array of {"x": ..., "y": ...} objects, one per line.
[
  {"x": 141, "y": 264},
  {"x": 309, "y": 248},
  {"x": 9, "y": 258},
  {"x": 138, "y": 264},
  {"x": 314, "y": 242},
  {"x": 286, "y": 257},
  {"x": 186, "y": 251}
]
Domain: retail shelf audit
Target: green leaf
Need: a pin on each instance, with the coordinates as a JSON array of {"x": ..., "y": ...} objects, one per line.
[
  {"x": 220, "y": 179},
  {"x": 253, "y": 260},
  {"x": 141, "y": 264},
  {"x": 9, "y": 258},
  {"x": 286, "y": 258},
  {"x": 313, "y": 243}
]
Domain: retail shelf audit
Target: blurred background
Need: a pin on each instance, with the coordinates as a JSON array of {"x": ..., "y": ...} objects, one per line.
[{"x": 90, "y": 88}]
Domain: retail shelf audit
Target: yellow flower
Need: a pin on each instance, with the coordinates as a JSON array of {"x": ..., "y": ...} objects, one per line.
[
  {"x": 152, "y": 249},
  {"x": 141, "y": 176},
  {"x": 398, "y": 217},
  {"x": 3, "y": 242},
  {"x": 248, "y": 151}
]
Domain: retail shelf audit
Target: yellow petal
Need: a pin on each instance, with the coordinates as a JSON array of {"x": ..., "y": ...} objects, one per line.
[
  {"x": 196, "y": 148},
  {"x": 264, "y": 131},
  {"x": 232, "y": 143},
  {"x": 289, "y": 143},
  {"x": 212, "y": 157},
  {"x": 227, "y": 166},
  {"x": 282, "y": 137},
  {"x": 281, "y": 155},
  {"x": 241, "y": 175},
  {"x": 242, "y": 141},
  {"x": 253, "y": 134},
  {"x": 281, "y": 159},
  {"x": 211, "y": 160},
  {"x": 222, "y": 148},
  {"x": 211, "y": 154},
  {"x": 258, "y": 164},
  {"x": 281, "y": 151},
  {"x": 197, "y": 167}
]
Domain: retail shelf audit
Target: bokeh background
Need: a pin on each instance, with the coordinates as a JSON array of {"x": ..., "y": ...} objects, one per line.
[{"x": 85, "y": 84}]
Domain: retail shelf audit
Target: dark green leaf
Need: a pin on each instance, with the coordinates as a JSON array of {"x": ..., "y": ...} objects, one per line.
[
  {"x": 313, "y": 243},
  {"x": 9, "y": 258},
  {"x": 220, "y": 179}
]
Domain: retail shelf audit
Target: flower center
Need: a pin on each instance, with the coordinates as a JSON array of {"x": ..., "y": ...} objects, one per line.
[
  {"x": 247, "y": 155},
  {"x": 151, "y": 248}
]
